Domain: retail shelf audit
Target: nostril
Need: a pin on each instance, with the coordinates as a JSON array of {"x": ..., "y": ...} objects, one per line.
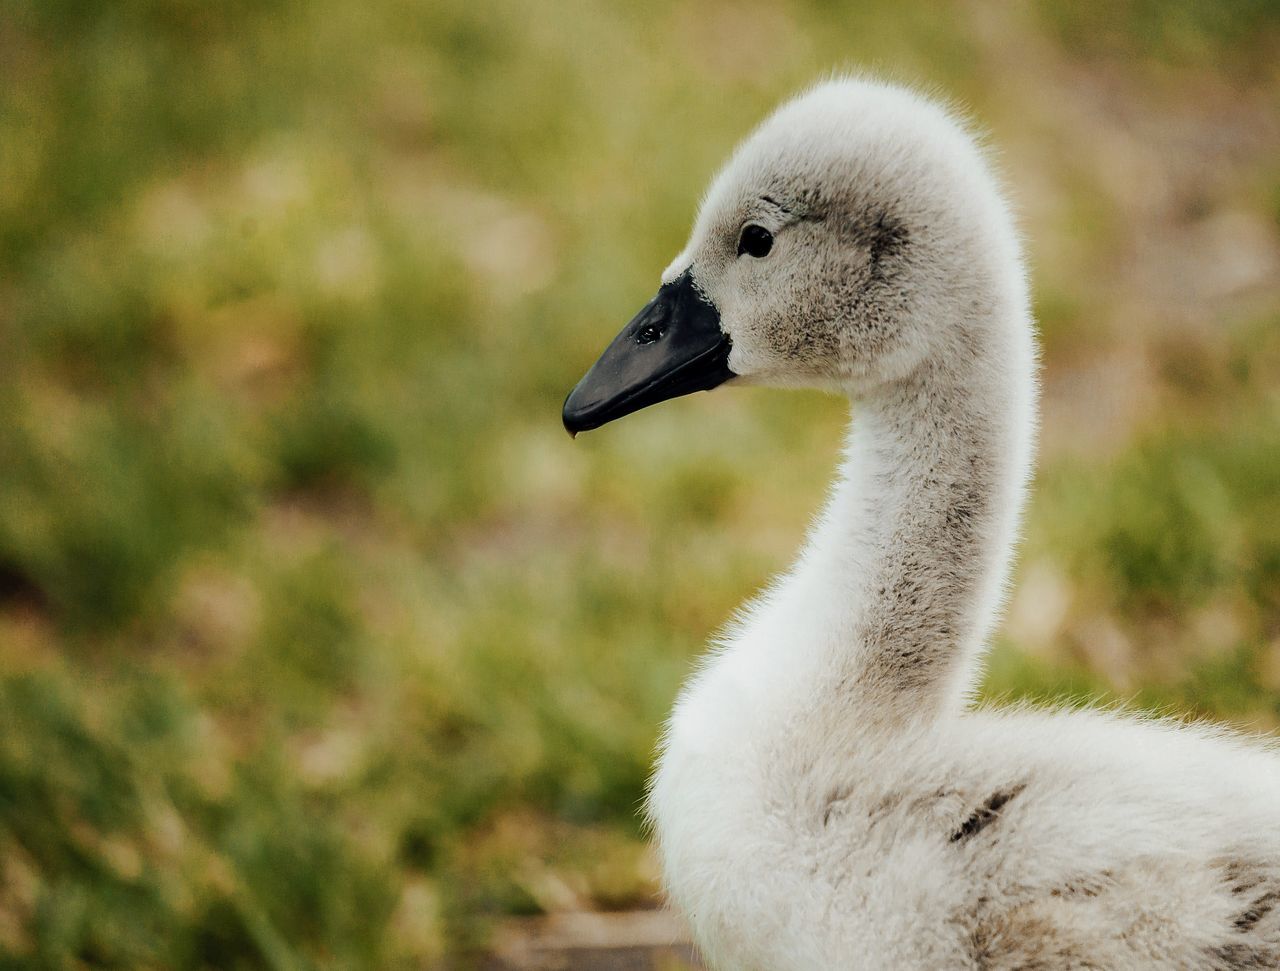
[{"x": 648, "y": 334}]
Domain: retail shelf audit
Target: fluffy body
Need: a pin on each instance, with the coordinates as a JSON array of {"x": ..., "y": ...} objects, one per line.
[{"x": 826, "y": 796}]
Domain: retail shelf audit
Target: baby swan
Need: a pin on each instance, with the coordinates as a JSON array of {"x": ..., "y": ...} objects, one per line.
[{"x": 825, "y": 797}]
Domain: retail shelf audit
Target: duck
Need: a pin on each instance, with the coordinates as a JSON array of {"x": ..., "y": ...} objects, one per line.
[{"x": 828, "y": 792}]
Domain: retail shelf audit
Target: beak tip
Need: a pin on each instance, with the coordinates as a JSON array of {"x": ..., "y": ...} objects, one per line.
[{"x": 574, "y": 418}]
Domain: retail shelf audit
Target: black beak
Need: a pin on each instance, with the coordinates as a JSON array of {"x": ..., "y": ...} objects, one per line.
[{"x": 673, "y": 347}]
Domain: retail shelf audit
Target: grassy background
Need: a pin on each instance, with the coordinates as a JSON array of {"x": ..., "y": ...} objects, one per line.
[{"x": 321, "y": 645}]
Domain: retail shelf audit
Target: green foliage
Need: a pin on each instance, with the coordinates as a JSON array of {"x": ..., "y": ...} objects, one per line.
[
  {"x": 320, "y": 644},
  {"x": 1184, "y": 32}
]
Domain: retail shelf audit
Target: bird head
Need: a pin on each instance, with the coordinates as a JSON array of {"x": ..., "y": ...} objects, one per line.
[{"x": 854, "y": 237}]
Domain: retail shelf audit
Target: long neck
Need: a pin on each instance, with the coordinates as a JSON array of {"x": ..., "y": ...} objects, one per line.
[{"x": 903, "y": 573}]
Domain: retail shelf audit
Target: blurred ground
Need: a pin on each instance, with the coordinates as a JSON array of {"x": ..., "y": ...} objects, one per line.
[
  {"x": 321, "y": 646},
  {"x": 652, "y": 940}
]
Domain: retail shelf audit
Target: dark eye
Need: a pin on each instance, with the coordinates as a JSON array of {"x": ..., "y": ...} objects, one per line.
[{"x": 755, "y": 241}]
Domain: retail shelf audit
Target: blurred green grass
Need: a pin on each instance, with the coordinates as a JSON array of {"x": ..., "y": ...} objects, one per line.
[{"x": 322, "y": 646}]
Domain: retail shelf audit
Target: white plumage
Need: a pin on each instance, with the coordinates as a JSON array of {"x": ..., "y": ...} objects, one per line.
[{"x": 826, "y": 797}]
